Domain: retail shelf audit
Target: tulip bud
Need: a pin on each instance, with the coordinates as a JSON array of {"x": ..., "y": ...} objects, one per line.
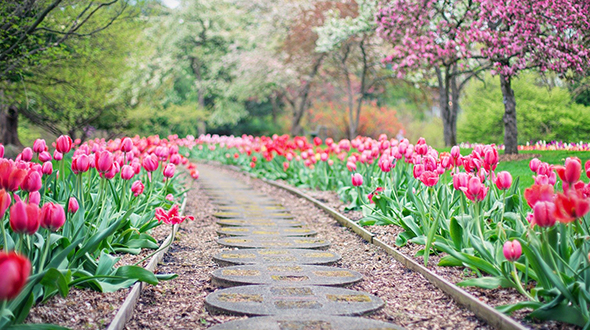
[
  {"x": 15, "y": 270},
  {"x": 24, "y": 218},
  {"x": 80, "y": 164},
  {"x": 357, "y": 179},
  {"x": 150, "y": 163},
  {"x": 455, "y": 152},
  {"x": 127, "y": 172},
  {"x": 169, "y": 197},
  {"x": 73, "y": 205},
  {"x": 512, "y": 250},
  {"x": 137, "y": 188},
  {"x": 27, "y": 154},
  {"x": 534, "y": 164},
  {"x": 195, "y": 174},
  {"x": 104, "y": 161},
  {"x": 63, "y": 144},
  {"x": 35, "y": 198},
  {"x": 31, "y": 182},
  {"x": 39, "y": 146},
  {"x": 544, "y": 214},
  {"x": 53, "y": 216},
  {"x": 57, "y": 155},
  {"x": 44, "y": 156},
  {"x": 126, "y": 144},
  {"x": 5, "y": 201},
  {"x": 503, "y": 180},
  {"x": 169, "y": 170}
]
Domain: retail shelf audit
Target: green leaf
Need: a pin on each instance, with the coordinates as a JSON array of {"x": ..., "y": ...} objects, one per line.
[
  {"x": 449, "y": 261},
  {"x": 166, "y": 277},
  {"x": 508, "y": 309},
  {"x": 563, "y": 313},
  {"x": 456, "y": 232},
  {"x": 138, "y": 273},
  {"x": 35, "y": 327},
  {"x": 470, "y": 260},
  {"x": 55, "y": 280},
  {"x": 487, "y": 282}
]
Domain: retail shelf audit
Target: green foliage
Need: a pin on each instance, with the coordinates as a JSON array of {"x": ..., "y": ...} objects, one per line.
[
  {"x": 174, "y": 119},
  {"x": 542, "y": 113}
]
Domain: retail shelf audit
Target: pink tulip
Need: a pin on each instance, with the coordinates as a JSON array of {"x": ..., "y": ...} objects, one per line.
[
  {"x": 194, "y": 174},
  {"x": 418, "y": 170},
  {"x": 137, "y": 188},
  {"x": 169, "y": 170},
  {"x": 150, "y": 163},
  {"x": 127, "y": 172},
  {"x": 80, "y": 164},
  {"x": 503, "y": 180},
  {"x": 63, "y": 144},
  {"x": 73, "y": 205},
  {"x": 31, "y": 182},
  {"x": 475, "y": 191},
  {"x": 570, "y": 173},
  {"x": 455, "y": 152},
  {"x": 53, "y": 216},
  {"x": 44, "y": 156},
  {"x": 544, "y": 214},
  {"x": 169, "y": 197},
  {"x": 15, "y": 270},
  {"x": 104, "y": 161},
  {"x": 39, "y": 146},
  {"x": 534, "y": 164},
  {"x": 14, "y": 180},
  {"x": 1, "y": 150},
  {"x": 285, "y": 166},
  {"x": 351, "y": 166},
  {"x": 27, "y": 154},
  {"x": 57, "y": 155},
  {"x": 35, "y": 198},
  {"x": 357, "y": 180},
  {"x": 126, "y": 144},
  {"x": 175, "y": 159},
  {"x": 5, "y": 201},
  {"x": 429, "y": 178},
  {"x": 24, "y": 218},
  {"x": 512, "y": 250}
]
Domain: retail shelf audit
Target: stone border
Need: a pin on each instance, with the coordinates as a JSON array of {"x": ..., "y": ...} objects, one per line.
[
  {"x": 125, "y": 312},
  {"x": 480, "y": 309}
]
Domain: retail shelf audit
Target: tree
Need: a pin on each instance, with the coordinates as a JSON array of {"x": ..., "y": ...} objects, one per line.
[
  {"x": 32, "y": 34},
  {"x": 548, "y": 35},
  {"x": 431, "y": 36}
]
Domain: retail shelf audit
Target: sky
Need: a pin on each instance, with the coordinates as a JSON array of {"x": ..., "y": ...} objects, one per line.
[{"x": 171, "y": 3}]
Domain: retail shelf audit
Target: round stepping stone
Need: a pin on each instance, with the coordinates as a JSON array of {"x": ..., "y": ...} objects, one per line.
[
  {"x": 280, "y": 256},
  {"x": 306, "y": 322},
  {"x": 284, "y": 274},
  {"x": 262, "y": 242},
  {"x": 260, "y": 223},
  {"x": 265, "y": 231},
  {"x": 236, "y": 208},
  {"x": 245, "y": 215},
  {"x": 262, "y": 300}
]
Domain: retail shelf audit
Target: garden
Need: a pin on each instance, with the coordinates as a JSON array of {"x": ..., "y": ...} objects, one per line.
[{"x": 362, "y": 164}]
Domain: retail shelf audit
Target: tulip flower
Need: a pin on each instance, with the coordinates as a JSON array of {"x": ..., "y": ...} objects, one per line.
[
  {"x": 127, "y": 172},
  {"x": 15, "y": 270},
  {"x": 491, "y": 159},
  {"x": 5, "y": 201},
  {"x": 150, "y": 163},
  {"x": 24, "y": 218},
  {"x": 176, "y": 160},
  {"x": 1, "y": 150},
  {"x": 418, "y": 170},
  {"x": 53, "y": 216},
  {"x": 39, "y": 146},
  {"x": 503, "y": 180},
  {"x": 285, "y": 166},
  {"x": 63, "y": 144},
  {"x": 35, "y": 198},
  {"x": 27, "y": 154},
  {"x": 374, "y": 193},
  {"x": 73, "y": 205},
  {"x": 104, "y": 161},
  {"x": 169, "y": 170},
  {"x": 475, "y": 191},
  {"x": 512, "y": 250},
  {"x": 537, "y": 193},
  {"x": 172, "y": 217},
  {"x": 357, "y": 179},
  {"x": 194, "y": 174},
  {"x": 570, "y": 173},
  {"x": 57, "y": 155},
  {"x": 137, "y": 188},
  {"x": 534, "y": 164},
  {"x": 126, "y": 144},
  {"x": 460, "y": 180},
  {"x": 32, "y": 181},
  {"x": 544, "y": 214},
  {"x": 351, "y": 166},
  {"x": 13, "y": 181},
  {"x": 455, "y": 152},
  {"x": 429, "y": 178},
  {"x": 81, "y": 163},
  {"x": 570, "y": 206}
]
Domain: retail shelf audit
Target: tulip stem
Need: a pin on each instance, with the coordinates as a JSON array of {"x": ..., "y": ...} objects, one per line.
[
  {"x": 479, "y": 221},
  {"x": 518, "y": 283},
  {"x": 4, "y": 236},
  {"x": 45, "y": 251},
  {"x": 3, "y": 307},
  {"x": 172, "y": 237}
]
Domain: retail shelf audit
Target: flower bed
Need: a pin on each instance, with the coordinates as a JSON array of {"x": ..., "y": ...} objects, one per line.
[
  {"x": 452, "y": 203},
  {"x": 67, "y": 227}
]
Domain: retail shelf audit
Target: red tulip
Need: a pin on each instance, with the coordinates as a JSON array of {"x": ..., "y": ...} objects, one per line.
[
  {"x": 544, "y": 214},
  {"x": 15, "y": 178},
  {"x": 15, "y": 270},
  {"x": 429, "y": 178},
  {"x": 537, "y": 193},
  {"x": 31, "y": 182},
  {"x": 195, "y": 174},
  {"x": 24, "y": 218},
  {"x": 63, "y": 144},
  {"x": 172, "y": 217},
  {"x": 126, "y": 144},
  {"x": 39, "y": 146},
  {"x": 5, "y": 201},
  {"x": 169, "y": 170},
  {"x": 137, "y": 188},
  {"x": 503, "y": 180},
  {"x": 357, "y": 179},
  {"x": 317, "y": 141},
  {"x": 150, "y": 163},
  {"x": 512, "y": 250},
  {"x": 104, "y": 161},
  {"x": 570, "y": 173},
  {"x": 53, "y": 216},
  {"x": 73, "y": 205},
  {"x": 570, "y": 206},
  {"x": 586, "y": 167},
  {"x": 127, "y": 172}
]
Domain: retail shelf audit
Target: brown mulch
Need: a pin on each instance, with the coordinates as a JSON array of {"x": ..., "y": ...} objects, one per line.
[{"x": 517, "y": 157}]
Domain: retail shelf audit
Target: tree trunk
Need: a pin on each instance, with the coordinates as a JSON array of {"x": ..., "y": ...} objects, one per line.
[
  {"x": 510, "y": 128},
  {"x": 445, "y": 109},
  {"x": 8, "y": 122},
  {"x": 303, "y": 96},
  {"x": 454, "y": 109}
]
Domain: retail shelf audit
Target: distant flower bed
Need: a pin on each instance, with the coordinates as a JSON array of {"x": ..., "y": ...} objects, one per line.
[{"x": 542, "y": 145}]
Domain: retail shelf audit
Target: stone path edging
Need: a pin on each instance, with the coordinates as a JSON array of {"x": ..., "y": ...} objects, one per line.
[
  {"x": 125, "y": 312},
  {"x": 480, "y": 309}
]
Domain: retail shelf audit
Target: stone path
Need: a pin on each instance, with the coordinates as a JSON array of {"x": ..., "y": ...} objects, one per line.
[{"x": 275, "y": 272}]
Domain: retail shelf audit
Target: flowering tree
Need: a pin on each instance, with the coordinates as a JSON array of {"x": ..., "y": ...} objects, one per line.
[
  {"x": 431, "y": 35},
  {"x": 519, "y": 35}
]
